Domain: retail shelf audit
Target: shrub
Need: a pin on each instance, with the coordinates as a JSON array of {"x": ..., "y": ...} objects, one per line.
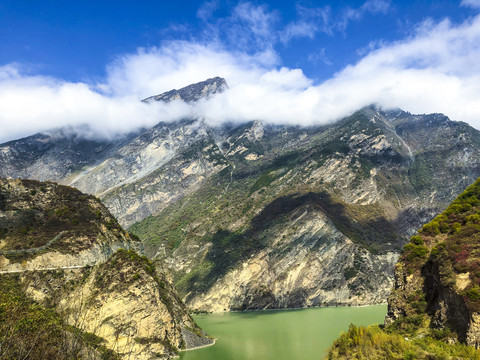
[
  {"x": 432, "y": 228},
  {"x": 417, "y": 252},
  {"x": 473, "y": 293},
  {"x": 417, "y": 240},
  {"x": 455, "y": 227}
]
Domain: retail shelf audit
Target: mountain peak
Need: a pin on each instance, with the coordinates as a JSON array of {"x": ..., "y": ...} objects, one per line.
[{"x": 192, "y": 92}]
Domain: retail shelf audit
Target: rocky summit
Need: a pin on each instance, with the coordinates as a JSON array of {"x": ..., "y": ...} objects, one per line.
[
  {"x": 255, "y": 216},
  {"x": 76, "y": 285},
  {"x": 192, "y": 92}
]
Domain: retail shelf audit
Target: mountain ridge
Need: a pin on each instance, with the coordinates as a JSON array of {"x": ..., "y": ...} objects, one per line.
[
  {"x": 192, "y": 192},
  {"x": 193, "y": 92}
]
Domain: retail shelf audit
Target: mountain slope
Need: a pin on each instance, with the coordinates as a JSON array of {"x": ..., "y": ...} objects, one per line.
[
  {"x": 436, "y": 298},
  {"x": 261, "y": 216},
  {"x": 311, "y": 216},
  {"x": 136, "y": 175},
  {"x": 64, "y": 257}
]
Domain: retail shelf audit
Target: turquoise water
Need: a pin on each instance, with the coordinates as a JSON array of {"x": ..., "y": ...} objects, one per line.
[{"x": 279, "y": 335}]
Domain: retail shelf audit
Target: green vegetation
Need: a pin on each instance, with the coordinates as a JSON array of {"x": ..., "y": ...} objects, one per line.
[
  {"x": 31, "y": 331},
  {"x": 373, "y": 343},
  {"x": 452, "y": 240},
  {"x": 420, "y": 173},
  {"x": 123, "y": 268},
  {"x": 40, "y": 215}
]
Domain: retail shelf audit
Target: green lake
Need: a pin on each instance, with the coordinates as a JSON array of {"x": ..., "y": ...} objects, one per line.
[{"x": 279, "y": 335}]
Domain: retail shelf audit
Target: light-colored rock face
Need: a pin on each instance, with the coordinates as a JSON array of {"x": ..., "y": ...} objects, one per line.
[
  {"x": 132, "y": 307},
  {"x": 96, "y": 254},
  {"x": 150, "y": 172},
  {"x": 137, "y": 319},
  {"x": 90, "y": 272},
  {"x": 473, "y": 332},
  {"x": 308, "y": 263},
  {"x": 135, "y": 160}
]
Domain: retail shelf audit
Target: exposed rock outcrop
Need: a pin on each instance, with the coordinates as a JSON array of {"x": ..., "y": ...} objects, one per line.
[
  {"x": 193, "y": 92},
  {"x": 90, "y": 273},
  {"x": 437, "y": 277}
]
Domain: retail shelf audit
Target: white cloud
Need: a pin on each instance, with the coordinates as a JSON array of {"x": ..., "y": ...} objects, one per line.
[
  {"x": 376, "y": 6},
  {"x": 207, "y": 9},
  {"x": 29, "y": 104},
  {"x": 311, "y": 21},
  {"x": 370, "y": 6},
  {"x": 435, "y": 70},
  {"x": 319, "y": 56},
  {"x": 471, "y": 3}
]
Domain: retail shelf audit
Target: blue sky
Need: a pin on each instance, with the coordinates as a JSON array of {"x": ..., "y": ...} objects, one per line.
[
  {"x": 75, "y": 63},
  {"x": 75, "y": 41}
]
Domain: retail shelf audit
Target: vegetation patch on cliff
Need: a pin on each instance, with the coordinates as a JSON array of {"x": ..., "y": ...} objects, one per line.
[
  {"x": 30, "y": 331},
  {"x": 37, "y": 216},
  {"x": 451, "y": 241}
]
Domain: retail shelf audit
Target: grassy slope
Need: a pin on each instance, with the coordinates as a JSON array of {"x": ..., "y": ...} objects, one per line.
[{"x": 373, "y": 343}]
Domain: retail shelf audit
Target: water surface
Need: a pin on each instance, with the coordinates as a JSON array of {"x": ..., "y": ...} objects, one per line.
[{"x": 279, "y": 335}]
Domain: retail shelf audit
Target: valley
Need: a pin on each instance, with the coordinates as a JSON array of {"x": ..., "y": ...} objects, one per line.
[{"x": 250, "y": 216}]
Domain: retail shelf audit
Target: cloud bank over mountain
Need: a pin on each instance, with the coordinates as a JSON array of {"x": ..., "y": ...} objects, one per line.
[{"x": 435, "y": 69}]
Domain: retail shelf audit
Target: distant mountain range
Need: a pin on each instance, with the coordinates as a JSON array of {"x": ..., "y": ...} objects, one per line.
[{"x": 257, "y": 216}]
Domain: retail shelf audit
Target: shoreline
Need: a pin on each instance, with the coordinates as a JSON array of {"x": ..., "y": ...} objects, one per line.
[
  {"x": 286, "y": 309},
  {"x": 200, "y": 346}
]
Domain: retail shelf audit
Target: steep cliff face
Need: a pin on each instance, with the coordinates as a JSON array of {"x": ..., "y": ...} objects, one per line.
[
  {"x": 438, "y": 277},
  {"x": 130, "y": 305},
  {"x": 434, "y": 308},
  {"x": 64, "y": 250},
  {"x": 300, "y": 259},
  {"x": 155, "y": 173}
]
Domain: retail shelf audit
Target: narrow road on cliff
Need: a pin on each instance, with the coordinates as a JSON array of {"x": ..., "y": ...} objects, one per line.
[{"x": 42, "y": 269}]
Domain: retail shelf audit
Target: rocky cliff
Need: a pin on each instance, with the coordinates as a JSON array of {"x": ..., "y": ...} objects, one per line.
[
  {"x": 436, "y": 297},
  {"x": 259, "y": 216},
  {"x": 193, "y": 92},
  {"x": 437, "y": 278},
  {"x": 64, "y": 256}
]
